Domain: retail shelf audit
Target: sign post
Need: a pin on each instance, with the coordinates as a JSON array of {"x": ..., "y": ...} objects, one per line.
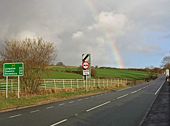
[
  {"x": 167, "y": 75},
  {"x": 86, "y": 65},
  {"x": 13, "y": 70},
  {"x": 6, "y": 87}
]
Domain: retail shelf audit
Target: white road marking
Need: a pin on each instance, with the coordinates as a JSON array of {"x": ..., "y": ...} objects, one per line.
[
  {"x": 122, "y": 96},
  {"x": 98, "y": 106},
  {"x": 15, "y": 116},
  {"x": 133, "y": 92},
  {"x": 76, "y": 114},
  {"x": 139, "y": 89},
  {"x": 86, "y": 98},
  {"x": 71, "y": 102},
  {"x": 61, "y": 104},
  {"x": 34, "y": 111},
  {"x": 145, "y": 87},
  {"x": 80, "y": 99},
  {"x": 159, "y": 89},
  {"x": 50, "y": 107},
  {"x": 64, "y": 120}
]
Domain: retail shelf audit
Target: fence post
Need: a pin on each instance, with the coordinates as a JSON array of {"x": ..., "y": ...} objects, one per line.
[
  {"x": 118, "y": 82},
  {"x": 99, "y": 83},
  {"x": 63, "y": 84},
  {"x": 45, "y": 84},
  {"x": 77, "y": 84},
  {"x": 94, "y": 83},
  {"x": 71, "y": 83},
  {"x": 103, "y": 82},
  {"x": 84, "y": 84},
  {"x": 55, "y": 84}
]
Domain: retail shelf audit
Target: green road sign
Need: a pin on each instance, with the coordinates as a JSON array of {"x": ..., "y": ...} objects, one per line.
[{"x": 13, "y": 69}]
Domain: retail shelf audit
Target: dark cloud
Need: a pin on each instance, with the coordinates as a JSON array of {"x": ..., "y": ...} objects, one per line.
[{"x": 80, "y": 26}]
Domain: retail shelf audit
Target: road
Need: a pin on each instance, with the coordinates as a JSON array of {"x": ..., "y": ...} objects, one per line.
[
  {"x": 160, "y": 111},
  {"x": 118, "y": 108}
]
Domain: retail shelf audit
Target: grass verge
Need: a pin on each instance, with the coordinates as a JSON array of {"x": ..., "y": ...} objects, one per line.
[{"x": 13, "y": 103}]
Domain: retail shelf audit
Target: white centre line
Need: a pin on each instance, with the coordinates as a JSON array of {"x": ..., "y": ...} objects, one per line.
[
  {"x": 15, "y": 116},
  {"x": 80, "y": 99},
  {"x": 145, "y": 87},
  {"x": 71, "y": 102},
  {"x": 139, "y": 89},
  {"x": 61, "y": 104},
  {"x": 122, "y": 96},
  {"x": 159, "y": 89},
  {"x": 133, "y": 92},
  {"x": 50, "y": 107},
  {"x": 64, "y": 120},
  {"x": 98, "y": 106},
  {"x": 34, "y": 111}
]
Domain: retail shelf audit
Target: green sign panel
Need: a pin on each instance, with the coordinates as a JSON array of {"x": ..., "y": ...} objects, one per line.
[{"x": 13, "y": 69}]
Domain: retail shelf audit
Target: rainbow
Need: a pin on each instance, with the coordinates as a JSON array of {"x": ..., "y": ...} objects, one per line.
[{"x": 114, "y": 48}]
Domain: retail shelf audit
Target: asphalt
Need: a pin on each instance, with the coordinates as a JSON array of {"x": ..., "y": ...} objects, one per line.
[
  {"x": 160, "y": 111},
  {"x": 121, "y": 108}
]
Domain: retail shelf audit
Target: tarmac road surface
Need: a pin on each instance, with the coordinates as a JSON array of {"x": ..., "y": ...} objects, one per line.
[{"x": 118, "y": 108}]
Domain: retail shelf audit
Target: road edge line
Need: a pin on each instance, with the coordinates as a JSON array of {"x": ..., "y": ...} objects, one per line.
[{"x": 148, "y": 110}]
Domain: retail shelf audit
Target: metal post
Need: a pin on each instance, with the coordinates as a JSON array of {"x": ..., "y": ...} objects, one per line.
[
  {"x": 77, "y": 84},
  {"x": 45, "y": 85},
  {"x": 6, "y": 86},
  {"x": 71, "y": 83},
  {"x": 94, "y": 83},
  {"x": 86, "y": 82},
  {"x": 18, "y": 87},
  {"x": 118, "y": 82},
  {"x": 55, "y": 84},
  {"x": 63, "y": 84},
  {"x": 103, "y": 83},
  {"x": 11, "y": 88}
]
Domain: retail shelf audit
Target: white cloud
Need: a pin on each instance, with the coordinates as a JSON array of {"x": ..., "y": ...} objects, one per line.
[
  {"x": 77, "y": 27},
  {"x": 77, "y": 35},
  {"x": 111, "y": 23}
]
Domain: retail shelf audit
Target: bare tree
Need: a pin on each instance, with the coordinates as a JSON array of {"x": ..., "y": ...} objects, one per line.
[
  {"x": 166, "y": 62},
  {"x": 36, "y": 55}
]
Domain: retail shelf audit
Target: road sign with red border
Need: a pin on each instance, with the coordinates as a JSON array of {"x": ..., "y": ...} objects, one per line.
[{"x": 85, "y": 65}]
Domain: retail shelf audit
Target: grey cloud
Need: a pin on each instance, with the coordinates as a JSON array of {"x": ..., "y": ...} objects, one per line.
[{"x": 60, "y": 20}]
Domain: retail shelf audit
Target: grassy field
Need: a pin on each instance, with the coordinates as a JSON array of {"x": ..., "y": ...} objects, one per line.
[
  {"x": 70, "y": 73},
  {"x": 60, "y": 75},
  {"x": 118, "y": 73}
]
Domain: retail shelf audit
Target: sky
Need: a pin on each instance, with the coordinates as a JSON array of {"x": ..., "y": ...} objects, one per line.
[{"x": 117, "y": 33}]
